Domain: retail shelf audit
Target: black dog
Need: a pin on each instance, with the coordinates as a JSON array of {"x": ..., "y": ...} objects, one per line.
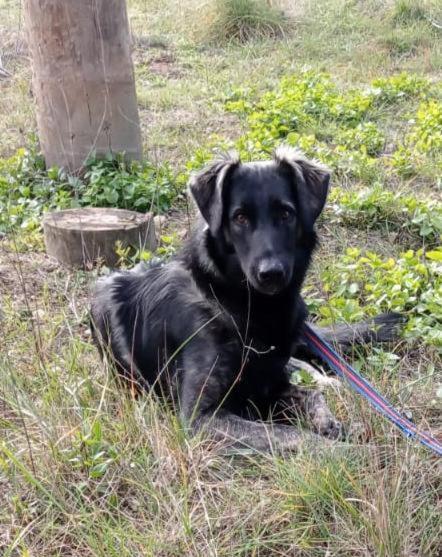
[{"x": 214, "y": 328}]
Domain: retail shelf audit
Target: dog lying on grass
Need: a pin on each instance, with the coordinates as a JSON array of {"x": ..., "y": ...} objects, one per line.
[{"x": 214, "y": 328}]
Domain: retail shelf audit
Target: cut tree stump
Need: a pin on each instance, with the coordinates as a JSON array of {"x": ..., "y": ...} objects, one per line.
[{"x": 81, "y": 237}]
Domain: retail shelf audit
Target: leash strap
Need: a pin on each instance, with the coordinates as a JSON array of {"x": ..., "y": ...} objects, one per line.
[{"x": 326, "y": 353}]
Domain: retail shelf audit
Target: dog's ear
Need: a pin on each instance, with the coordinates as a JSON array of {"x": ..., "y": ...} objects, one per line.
[
  {"x": 206, "y": 188},
  {"x": 311, "y": 179}
]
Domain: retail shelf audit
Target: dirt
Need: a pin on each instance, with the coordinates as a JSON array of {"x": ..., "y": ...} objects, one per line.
[
  {"x": 160, "y": 63},
  {"x": 164, "y": 64},
  {"x": 34, "y": 288},
  {"x": 24, "y": 274}
]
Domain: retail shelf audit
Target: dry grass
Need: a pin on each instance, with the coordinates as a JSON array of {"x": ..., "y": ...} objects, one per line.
[
  {"x": 85, "y": 471},
  {"x": 245, "y": 20},
  {"x": 182, "y": 83}
]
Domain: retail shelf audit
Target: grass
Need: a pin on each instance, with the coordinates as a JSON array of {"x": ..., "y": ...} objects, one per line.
[
  {"x": 407, "y": 11},
  {"x": 86, "y": 471},
  {"x": 183, "y": 82},
  {"x": 243, "y": 20}
]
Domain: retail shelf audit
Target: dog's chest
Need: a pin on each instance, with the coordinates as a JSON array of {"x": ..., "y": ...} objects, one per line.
[
  {"x": 262, "y": 379},
  {"x": 266, "y": 340},
  {"x": 266, "y": 332}
]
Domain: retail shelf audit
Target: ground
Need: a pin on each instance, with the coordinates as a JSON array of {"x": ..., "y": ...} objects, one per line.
[{"x": 85, "y": 471}]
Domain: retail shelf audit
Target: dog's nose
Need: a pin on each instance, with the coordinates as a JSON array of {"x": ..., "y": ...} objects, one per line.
[{"x": 270, "y": 272}]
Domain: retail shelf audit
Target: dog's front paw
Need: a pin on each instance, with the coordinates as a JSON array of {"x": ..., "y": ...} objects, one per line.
[{"x": 327, "y": 425}]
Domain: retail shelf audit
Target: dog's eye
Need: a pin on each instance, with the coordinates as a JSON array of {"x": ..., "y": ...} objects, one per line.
[
  {"x": 241, "y": 218},
  {"x": 286, "y": 214}
]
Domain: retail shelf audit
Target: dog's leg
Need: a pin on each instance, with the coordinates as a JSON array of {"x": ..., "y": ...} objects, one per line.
[
  {"x": 298, "y": 402},
  {"x": 204, "y": 390},
  {"x": 239, "y": 433}
]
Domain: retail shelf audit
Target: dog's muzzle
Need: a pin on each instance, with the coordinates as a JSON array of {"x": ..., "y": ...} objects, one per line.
[{"x": 271, "y": 276}]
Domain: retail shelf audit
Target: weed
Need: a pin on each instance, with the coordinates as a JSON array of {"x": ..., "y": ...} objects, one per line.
[
  {"x": 363, "y": 283},
  {"x": 129, "y": 256},
  {"x": 27, "y": 189},
  {"x": 421, "y": 149},
  {"x": 343, "y": 128},
  {"x": 243, "y": 20},
  {"x": 407, "y": 11},
  {"x": 365, "y": 137},
  {"x": 90, "y": 452},
  {"x": 408, "y": 41},
  {"x": 84, "y": 469},
  {"x": 390, "y": 90},
  {"x": 378, "y": 207},
  {"x": 112, "y": 182}
]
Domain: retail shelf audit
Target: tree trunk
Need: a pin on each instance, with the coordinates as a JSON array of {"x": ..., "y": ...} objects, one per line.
[
  {"x": 81, "y": 237},
  {"x": 83, "y": 80}
]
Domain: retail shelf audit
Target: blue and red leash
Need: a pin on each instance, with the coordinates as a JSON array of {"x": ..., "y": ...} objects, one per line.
[{"x": 326, "y": 353}]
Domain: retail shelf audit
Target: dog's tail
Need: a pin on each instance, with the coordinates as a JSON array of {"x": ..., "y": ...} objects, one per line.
[{"x": 382, "y": 328}]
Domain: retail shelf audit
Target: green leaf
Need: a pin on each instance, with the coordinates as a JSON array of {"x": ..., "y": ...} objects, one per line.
[
  {"x": 302, "y": 377},
  {"x": 435, "y": 255},
  {"x": 112, "y": 197}
]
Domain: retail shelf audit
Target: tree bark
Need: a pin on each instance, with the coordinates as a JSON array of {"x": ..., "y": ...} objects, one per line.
[{"x": 83, "y": 80}]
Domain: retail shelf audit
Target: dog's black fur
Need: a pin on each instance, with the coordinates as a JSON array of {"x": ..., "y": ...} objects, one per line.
[{"x": 214, "y": 328}]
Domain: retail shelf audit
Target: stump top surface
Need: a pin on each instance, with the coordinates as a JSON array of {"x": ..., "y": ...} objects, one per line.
[{"x": 94, "y": 219}]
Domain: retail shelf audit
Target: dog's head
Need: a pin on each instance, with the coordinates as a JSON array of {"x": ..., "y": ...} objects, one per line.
[{"x": 264, "y": 212}]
